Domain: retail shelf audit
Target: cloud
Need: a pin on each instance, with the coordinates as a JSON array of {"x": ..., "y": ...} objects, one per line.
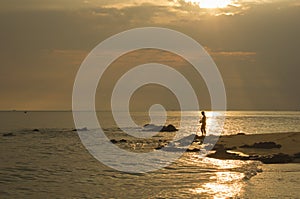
[
  {"x": 41, "y": 49},
  {"x": 230, "y": 53}
]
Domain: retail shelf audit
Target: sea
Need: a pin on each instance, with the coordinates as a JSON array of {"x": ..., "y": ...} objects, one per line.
[{"x": 42, "y": 156}]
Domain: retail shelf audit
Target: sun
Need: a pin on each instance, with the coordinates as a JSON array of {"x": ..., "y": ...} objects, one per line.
[{"x": 210, "y": 3}]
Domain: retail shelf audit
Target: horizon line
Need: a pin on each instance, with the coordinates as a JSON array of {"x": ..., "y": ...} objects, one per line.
[{"x": 70, "y": 110}]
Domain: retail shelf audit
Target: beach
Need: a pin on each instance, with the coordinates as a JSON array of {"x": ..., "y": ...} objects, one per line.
[
  {"x": 52, "y": 162},
  {"x": 264, "y": 145},
  {"x": 142, "y": 99}
]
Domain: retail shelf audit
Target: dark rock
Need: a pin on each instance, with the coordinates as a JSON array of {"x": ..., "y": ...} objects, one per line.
[
  {"x": 123, "y": 141},
  {"x": 221, "y": 153},
  {"x": 231, "y": 148},
  {"x": 296, "y": 158},
  {"x": 159, "y": 147},
  {"x": 193, "y": 150},
  {"x": 36, "y": 130},
  {"x": 241, "y": 134},
  {"x": 152, "y": 127},
  {"x": 266, "y": 145},
  {"x": 254, "y": 157},
  {"x": 268, "y": 159},
  {"x": 297, "y": 155},
  {"x": 246, "y": 146},
  {"x": 276, "y": 158},
  {"x": 114, "y": 141},
  {"x": 8, "y": 135},
  {"x": 262, "y": 145},
  {"x": 169, "y": 128}
]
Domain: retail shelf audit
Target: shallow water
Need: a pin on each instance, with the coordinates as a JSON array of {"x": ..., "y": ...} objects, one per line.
[{"x": 53, "y": 163}]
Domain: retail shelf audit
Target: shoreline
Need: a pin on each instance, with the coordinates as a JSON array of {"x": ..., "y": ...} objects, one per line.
[
  {"x": 271, "y": 148},
  {"x": 268, "y": 148}
]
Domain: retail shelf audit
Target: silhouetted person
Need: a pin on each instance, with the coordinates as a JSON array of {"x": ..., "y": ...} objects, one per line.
[{"x": 203, "y": 123}]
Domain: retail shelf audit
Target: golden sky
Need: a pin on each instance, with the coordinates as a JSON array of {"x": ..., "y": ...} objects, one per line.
[{"x": 255, "y": 44}]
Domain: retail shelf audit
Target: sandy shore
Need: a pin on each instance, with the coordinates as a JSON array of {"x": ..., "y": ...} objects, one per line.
[
  {"x": 289, "y": 143},
  {"x": 269, "y": 148}
]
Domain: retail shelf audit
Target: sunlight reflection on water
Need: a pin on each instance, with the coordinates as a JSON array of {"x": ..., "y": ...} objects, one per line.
[
  {"x": 227, "y": 182},
  {"x": 223, "y": 185}
]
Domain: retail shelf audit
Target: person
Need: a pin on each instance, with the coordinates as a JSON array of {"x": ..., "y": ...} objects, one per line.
[{"x": 203, "y": 123}]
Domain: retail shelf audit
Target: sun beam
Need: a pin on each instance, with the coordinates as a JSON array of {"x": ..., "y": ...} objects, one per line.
[{"x": 210, "y": 3}]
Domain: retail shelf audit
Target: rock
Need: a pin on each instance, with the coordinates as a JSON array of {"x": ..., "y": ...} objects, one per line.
[
  {"x": 153, "y": 127},
  {"x": 276, "y": 158},
  {"x": 241, "y": 134},
  {"x": 297, "y": 155},
  {"x": 231, "y": 148},
  {"x": 36, "y": 130},
  {"x": 8, "y": 135},
  {"x": 296, "y": 158},
  {"x": 159, "y": 147},
  {"x": 222, "y": 153},
  {"x": 193, "y": 150},
  {"x": 262, "y": 145},
  {"x": 169, "y": 128},
  {"x": 123, "y": 141},
  {"x": 114, "y": 141}
]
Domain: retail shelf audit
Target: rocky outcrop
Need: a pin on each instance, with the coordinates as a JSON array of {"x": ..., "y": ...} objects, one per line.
[
  {"x": 8, "y": 135},
  {"x": 116, "y": 141},
  {"x": 275, "y": 158},
  {"x": 262, "y": 145},
  {"x": 152, "y": 127},
  {"x": 169, "y": 128},
  {"x": 222, "y": 153}
]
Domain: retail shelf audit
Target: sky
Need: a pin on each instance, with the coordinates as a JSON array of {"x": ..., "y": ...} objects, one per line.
[{"x": 254, "y": 43}]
